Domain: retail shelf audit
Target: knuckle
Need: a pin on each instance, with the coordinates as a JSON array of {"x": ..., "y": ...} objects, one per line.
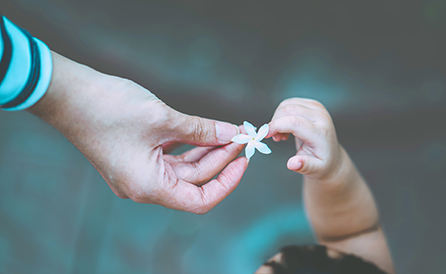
[
  {"x": 326, "y": 126},
  {"x": 316, "y": 103},
  {"x": 201, "y": 210},
  {"x": 162, "y": 118},
  {"x": 123, "y": 83},
  {"x": 283, "y": 103},
  {"x": 115, "y": 187},
  {"x": 141, "y": 195},
  {"x": 288, "y": 102},
  {"x": 198, "y": 128},
  {"x": 196, "y": 173},
  {"x": 289, "y": 109},
  {"x": 136, "y": 197},
  {"x": 294, "y": 120},
  {"x": 312, "y": 101},
  {"x": 128, "y": 82},
  {"x": 121, "y": 195}
]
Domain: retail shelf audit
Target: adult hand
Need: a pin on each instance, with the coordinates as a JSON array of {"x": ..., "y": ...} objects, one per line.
[{"x": 124, "y": 130}]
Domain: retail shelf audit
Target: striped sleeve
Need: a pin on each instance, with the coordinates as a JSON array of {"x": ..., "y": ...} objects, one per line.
[{"x": 25, "y": 67}]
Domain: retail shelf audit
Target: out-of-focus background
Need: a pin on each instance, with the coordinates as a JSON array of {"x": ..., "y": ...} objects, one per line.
[{"x": 378, "y": 66}]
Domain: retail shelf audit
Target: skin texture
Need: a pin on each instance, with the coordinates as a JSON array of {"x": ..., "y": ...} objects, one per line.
[
  {"x": 125, "y": 132},
  {"x": 340, "y": 206}
]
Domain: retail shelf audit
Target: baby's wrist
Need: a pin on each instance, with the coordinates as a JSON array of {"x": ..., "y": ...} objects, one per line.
[{"x": 336, "y": 169}]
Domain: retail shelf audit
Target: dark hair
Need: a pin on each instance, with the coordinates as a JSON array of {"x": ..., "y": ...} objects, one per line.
[{"x": 315, "y": 260}]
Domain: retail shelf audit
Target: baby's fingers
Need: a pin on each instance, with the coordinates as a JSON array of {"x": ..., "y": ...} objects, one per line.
[
  {"x": 281, "y": 137},
  {"x": 300, "y": 127}
]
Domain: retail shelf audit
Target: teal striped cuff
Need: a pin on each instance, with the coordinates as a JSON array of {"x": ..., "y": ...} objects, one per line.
[{"x": 25, "y": 67}]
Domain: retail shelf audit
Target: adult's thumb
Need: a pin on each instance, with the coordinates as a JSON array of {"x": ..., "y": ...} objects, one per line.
[{"x": 205, "y": 132}]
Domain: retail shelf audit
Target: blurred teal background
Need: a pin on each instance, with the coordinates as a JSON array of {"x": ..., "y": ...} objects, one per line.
[{"x": 378, "y": 66}]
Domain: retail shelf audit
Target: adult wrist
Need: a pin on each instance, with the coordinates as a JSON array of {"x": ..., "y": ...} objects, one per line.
[{"x": 70, "y": 85}]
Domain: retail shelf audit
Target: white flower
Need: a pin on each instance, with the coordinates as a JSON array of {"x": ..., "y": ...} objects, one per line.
[{"x": 253, "y": 139}]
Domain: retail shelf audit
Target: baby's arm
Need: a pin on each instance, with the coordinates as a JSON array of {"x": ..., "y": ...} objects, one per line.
[{"x": 339, "y": 203}]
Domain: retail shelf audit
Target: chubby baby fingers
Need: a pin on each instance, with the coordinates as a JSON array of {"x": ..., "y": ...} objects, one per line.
[
  {"x": 299, "y": 126},
  {"x": 281, "y": 137}
]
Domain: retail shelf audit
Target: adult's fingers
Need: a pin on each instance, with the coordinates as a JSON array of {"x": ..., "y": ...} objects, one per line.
[
  {"x": 200, "y": 199},
  {"x": 201, "y": 131},
  {"x": 192, "y": 155},
  {"x": 207, "y": 166}
]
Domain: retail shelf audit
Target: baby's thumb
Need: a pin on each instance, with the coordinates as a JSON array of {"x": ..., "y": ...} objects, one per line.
[{"x": 303, "y": 164}]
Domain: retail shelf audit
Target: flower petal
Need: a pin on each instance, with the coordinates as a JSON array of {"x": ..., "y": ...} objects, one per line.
[
  {"x": 262, "y": 147},
  {"x": 250, "y": 129},
  {"x": 249, "y": 150},
  {"x": 241, "y": 139},
  {"x": 263, "y": 131}
]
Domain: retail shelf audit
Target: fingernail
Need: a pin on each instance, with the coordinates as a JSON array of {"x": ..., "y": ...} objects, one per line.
[{"x": 225, "y": 131}]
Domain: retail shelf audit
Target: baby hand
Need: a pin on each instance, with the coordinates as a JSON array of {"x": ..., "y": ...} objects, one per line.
[{"x": 318, "y": 151}]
